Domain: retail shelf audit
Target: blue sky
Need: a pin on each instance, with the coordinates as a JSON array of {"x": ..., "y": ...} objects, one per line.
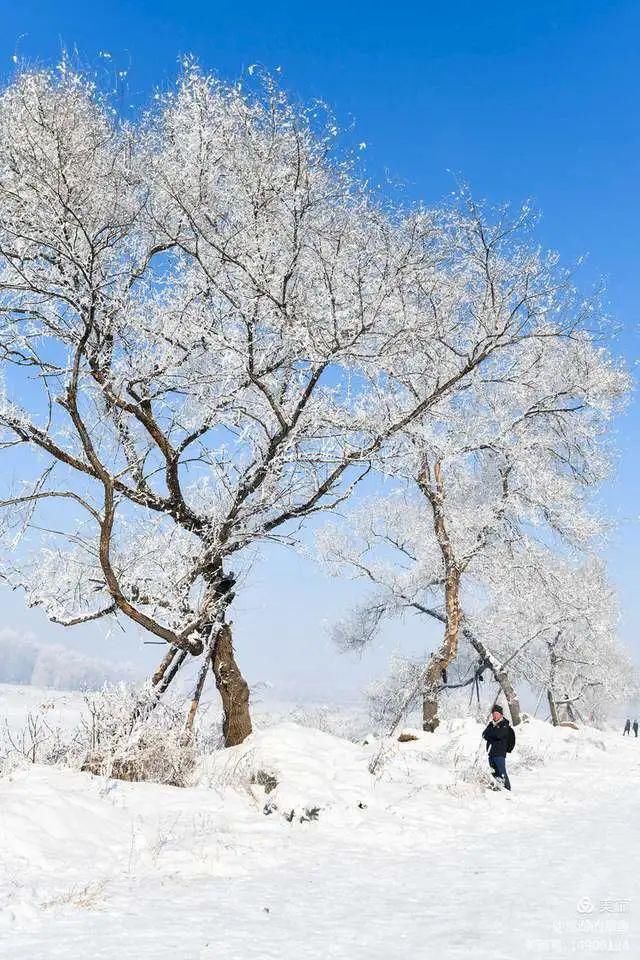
[{"x": 523, "y": 100}]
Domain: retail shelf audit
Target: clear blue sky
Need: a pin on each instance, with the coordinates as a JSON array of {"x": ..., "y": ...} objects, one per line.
[{"x": 534, "y": 99}]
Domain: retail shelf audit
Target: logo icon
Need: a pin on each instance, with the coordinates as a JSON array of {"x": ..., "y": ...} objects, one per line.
[{"x": 585, "y": 905}]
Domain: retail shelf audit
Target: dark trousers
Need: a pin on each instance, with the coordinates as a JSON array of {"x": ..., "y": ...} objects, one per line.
[{"x": 499, "y": 770}]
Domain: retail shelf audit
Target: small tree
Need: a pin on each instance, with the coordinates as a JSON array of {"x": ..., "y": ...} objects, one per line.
[{"x": 569, "y": 647}]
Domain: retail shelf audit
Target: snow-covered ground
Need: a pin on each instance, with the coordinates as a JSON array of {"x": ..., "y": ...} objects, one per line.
[{"x": 418, "y": 859}]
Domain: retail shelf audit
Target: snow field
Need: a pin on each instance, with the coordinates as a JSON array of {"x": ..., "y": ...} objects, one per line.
[{"x": 419, "y": 859}]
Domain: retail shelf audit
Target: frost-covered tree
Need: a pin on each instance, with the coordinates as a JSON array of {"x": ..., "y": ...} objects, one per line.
[
  {"x": 208, "y": 332},
  {"x": 509, "y": 460},
  {"x": 557, "y": 620}
]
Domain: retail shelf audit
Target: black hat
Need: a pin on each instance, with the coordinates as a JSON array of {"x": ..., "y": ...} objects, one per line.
[{"x": 496, "y": 708}]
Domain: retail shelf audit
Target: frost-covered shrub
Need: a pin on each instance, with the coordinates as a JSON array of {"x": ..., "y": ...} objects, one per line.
[
  {"x": 124, "y": 733},
  {"x": 530, "y": 753},
  {"x": 38, "y": 741}
]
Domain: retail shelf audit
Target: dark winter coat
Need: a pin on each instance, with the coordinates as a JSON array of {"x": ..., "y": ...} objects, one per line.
[{"x": 496, "y": 735}]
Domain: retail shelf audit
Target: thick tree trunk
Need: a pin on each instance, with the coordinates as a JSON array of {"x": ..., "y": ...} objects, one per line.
[
  {"x": 430, "y": 719},
  {"x": 442, "y": 658},
  {"x": 233, "y": 689},
  {"x": 447, "y": 652}
]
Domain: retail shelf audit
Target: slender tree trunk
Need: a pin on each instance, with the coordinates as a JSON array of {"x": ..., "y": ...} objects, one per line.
[
  {"x": 552, "y": 707},
  {"x": 170, "y": 674},
  {"x": 551, "y": 696},
  {"x": 511, "y": 697},
  {"x": 163, "y": 665},
  {"x": 161, "y": 680},
  {"x": 197, "y": 693},
  {"x": 233, "y": 689},
  {"x": 570, "y": 711}
]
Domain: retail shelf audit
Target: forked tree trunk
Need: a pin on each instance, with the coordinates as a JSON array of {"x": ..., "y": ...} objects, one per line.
[
  {"x": 430, "y": 705},
  {"x": 233, "y": 689}
]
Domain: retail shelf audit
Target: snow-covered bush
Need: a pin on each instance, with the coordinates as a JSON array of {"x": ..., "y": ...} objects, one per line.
[
  {"x": 124, "y": 733},
  {"x": 38, "y": 741}
]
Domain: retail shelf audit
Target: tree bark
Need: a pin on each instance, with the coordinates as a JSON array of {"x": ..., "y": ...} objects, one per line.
[
  {"x": 161, "y": 680},
  {"x": 499, "y": 672},
  {"x": 430, "y": 719},
  {"x": 170, "y": 674},
  {"x": 551, "y": 696},
  {"x": 233, "y": 689},
  {"x": 553, "y": 708},
  {"x": 163, "y": 666},
  {"x": 197, "y": 693},
  {"x": 441, "y": 659},
  {"x": 510, "y": 696}
]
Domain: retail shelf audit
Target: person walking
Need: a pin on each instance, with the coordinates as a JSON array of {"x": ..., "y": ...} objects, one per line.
[
  {"x": 500, "y": 740},
  {"x": 627, "y": 728},
  {"x": 635, "y": 727}
]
